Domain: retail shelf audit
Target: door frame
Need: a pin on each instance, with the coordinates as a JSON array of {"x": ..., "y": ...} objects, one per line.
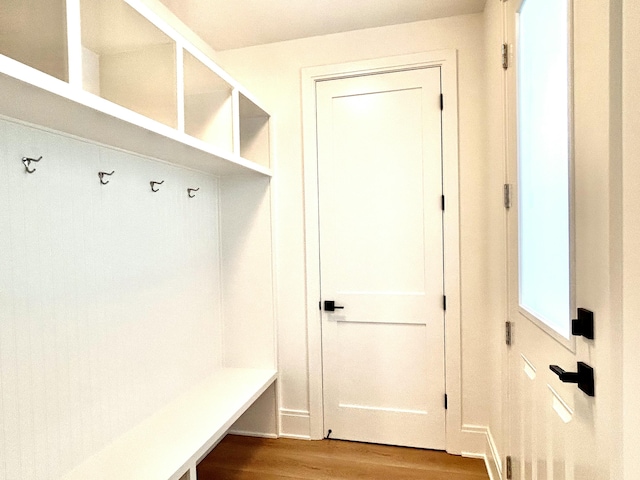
[{"x": 447, "y": 61}]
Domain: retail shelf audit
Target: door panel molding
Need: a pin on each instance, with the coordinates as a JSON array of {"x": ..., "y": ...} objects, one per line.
[{"x": 447, "y": 61}]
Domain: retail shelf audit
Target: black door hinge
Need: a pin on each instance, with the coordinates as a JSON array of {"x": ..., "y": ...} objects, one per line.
[
  {"x": 441, "y": 102},
  {"x": 508, "y": 333},
  {"x": 446, "y": 401},
  {"x": 443, "y": 203},
  {"x": 444, "y": 302},
  {"x": 509, "y": 468}
]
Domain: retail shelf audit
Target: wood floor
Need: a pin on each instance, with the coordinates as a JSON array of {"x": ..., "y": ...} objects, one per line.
[{"x": 246, "y": 458}]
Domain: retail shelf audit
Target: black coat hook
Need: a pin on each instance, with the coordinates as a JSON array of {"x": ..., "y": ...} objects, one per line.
[
  {"x": 191, "y": 190},
  {"x": 102, "y": 174},
  {"x": 153, "y": 185},
  {"x": 27, "y": 161}
]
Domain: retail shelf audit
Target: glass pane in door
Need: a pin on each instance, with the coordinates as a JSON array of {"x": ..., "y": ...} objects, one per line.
[{"x": 544, "y": 163}]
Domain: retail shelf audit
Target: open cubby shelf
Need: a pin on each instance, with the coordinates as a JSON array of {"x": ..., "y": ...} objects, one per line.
[
  {"x": 254, "y": 132},
  {"x": 208, "y": 104},
  {"x": 118, "y": 63},
  {"x": 128, "y": 61},
  {"x": 34, "y": 33}
]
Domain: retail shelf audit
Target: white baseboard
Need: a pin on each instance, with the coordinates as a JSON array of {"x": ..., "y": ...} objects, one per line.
[
  {"x": 474, "y": 440},
  {"x": 492, "y": 459},
  {"x": 478, "y": 442},
  {"x": 252, "y": 434},
  {"x": 294, "y": 424}
]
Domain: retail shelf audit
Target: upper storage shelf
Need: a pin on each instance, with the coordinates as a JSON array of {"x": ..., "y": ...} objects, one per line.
[
  {"x": 254, "y": 132},
  {"x": 129, "y": 61},
  {"x": 114, "y": 72},
  {"x": 34, "y": 33},
  {"x": 208, "y": 104}
]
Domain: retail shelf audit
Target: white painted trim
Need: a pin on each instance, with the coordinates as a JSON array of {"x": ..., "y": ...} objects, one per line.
[
  {"x": 74, "y": 43},
  {"x": 492, "y": 458},
  {"x": 473, "y": 441},
  {"x": 447, "y": 61},
  {"x": 479, "y": 443},
  {"x": 273, "y": 199},
  {"x": 294, "y": 424},
  {"x": 180, "y": 87},
  {"x": 244, "y": 433},
  {"x": 235, "y": 129}
]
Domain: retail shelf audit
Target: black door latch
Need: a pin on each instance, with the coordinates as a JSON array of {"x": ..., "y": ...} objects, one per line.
[
  {"x": 583, "y": 325},
  {"x": 330, "y": 306}
]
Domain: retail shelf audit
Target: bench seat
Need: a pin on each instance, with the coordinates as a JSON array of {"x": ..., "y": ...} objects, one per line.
[{"x": 167, "y": 445}]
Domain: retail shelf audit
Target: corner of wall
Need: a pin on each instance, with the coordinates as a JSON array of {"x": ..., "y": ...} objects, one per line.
[{"x": 478, "y": 442}]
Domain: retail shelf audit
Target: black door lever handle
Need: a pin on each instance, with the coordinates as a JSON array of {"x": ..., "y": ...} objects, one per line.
[
  {"x": 583, "y": 377},
  {"x": 330, "y": 306},
  {"x": 565, "y": 377}
]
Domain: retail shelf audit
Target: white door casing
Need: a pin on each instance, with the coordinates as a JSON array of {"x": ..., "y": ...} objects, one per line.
[
  {"x": 380, "y": 187},
  {"x": 446, "y": 60}
]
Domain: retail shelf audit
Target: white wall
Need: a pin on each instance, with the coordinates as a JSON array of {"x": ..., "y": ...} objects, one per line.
[
  {"x": 272, "y": 72},
  {"x": 496, "y": 227},
  {"x": 631, "y": 237}
]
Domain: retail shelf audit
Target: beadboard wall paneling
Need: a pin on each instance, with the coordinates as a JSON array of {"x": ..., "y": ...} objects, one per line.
[
  {"x": 109, "y": 295},
  {"x": 247, "y": 272}
]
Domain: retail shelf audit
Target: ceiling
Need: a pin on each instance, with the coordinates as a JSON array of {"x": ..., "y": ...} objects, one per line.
[{"x": 228, "y": 24}]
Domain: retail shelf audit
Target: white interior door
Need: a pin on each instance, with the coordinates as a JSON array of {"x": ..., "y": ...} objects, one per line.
[
  {"x": 380, "y": 187},
  {"x": 553, "y": 264}
]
